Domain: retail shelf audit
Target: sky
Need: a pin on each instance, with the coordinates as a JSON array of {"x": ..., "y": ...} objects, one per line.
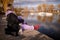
[
  {"x": 40, "y": 0},
  {"x": 33, "y": 3}
]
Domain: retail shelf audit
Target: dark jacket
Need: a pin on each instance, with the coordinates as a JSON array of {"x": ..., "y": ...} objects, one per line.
[{"x": 12, "y": 22}]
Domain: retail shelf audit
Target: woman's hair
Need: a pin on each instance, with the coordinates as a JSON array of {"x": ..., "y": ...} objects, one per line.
[
  {"x": 9, "y": 5},
  {"x": 9, "y": 9}
]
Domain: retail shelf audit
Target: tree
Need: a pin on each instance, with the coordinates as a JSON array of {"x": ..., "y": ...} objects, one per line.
[
  {"x": 51, "y": 7},
  {"x": 58, "y": 6},
  {"x": 26, "y": 12},
  {"x": 39, "y": 8},
  {"x": 1, "y": 1},
  {"x": 44, "y": 7},
  {"x": 5, "y": 3}
]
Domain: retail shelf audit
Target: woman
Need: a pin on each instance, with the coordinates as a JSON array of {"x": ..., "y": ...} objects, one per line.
[{"x": 12, "y": 22}]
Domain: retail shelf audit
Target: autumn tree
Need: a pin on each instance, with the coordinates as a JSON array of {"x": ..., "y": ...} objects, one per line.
[
  {"x": 58, "y": 5},
  {"x": 44, "y": 7},
  {"x": 39, "y": 8},
  {"x": 51, "y": 7},
  {"x": 26, "y": 12}
]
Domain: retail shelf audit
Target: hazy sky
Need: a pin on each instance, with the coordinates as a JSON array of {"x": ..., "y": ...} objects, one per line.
[
  {"x": 39, "y": 0},
  {"x": 33, "y": 3}
]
